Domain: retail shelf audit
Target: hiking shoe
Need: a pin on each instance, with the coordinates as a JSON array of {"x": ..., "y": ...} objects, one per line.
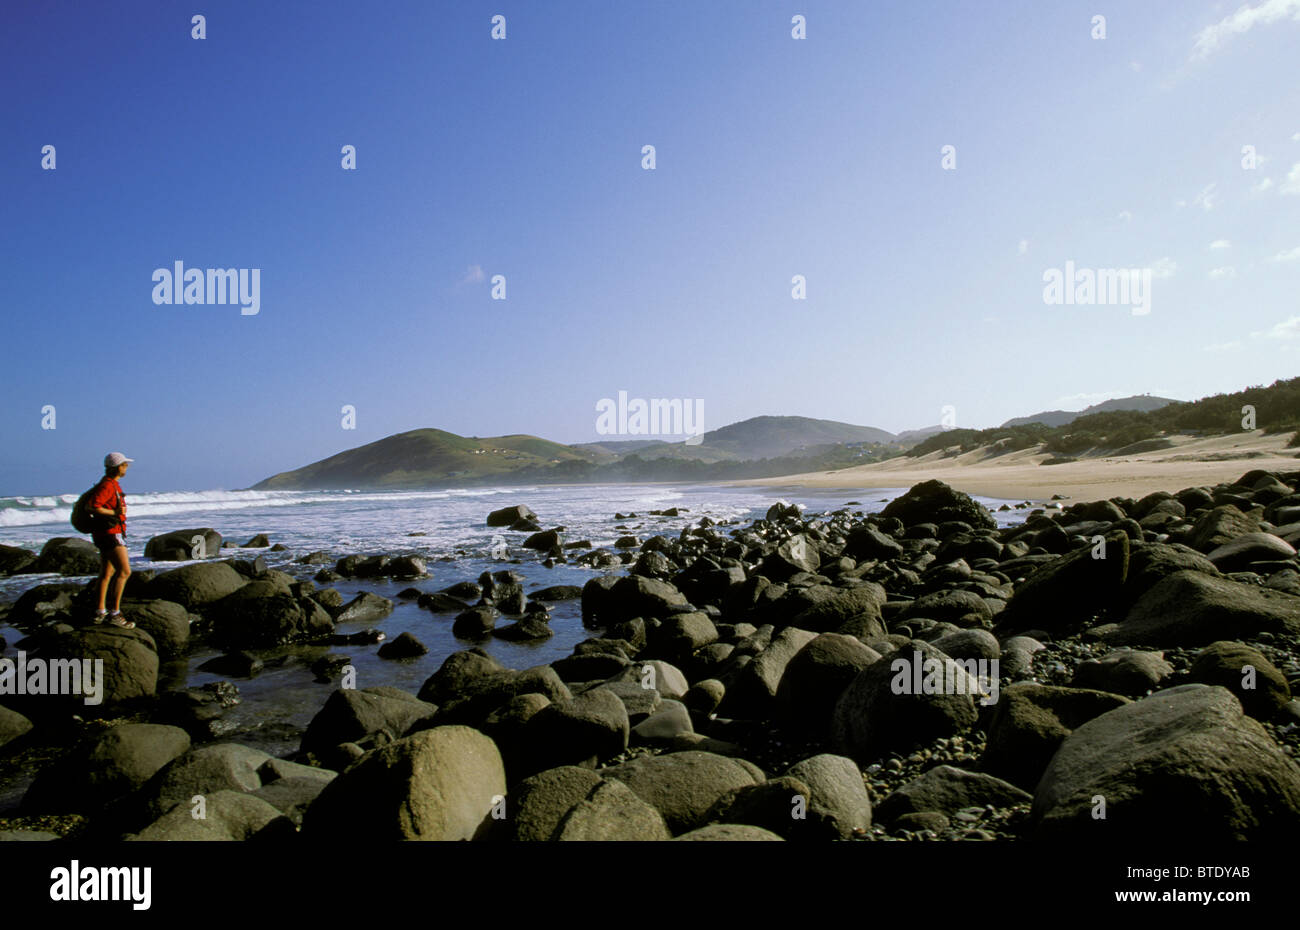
[{"x": 118, "y": 620}]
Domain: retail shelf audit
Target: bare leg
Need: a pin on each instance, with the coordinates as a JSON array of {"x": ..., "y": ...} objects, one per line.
[
  {"x": 106, "y": 570},
  {"x": 122, "y": 565}
]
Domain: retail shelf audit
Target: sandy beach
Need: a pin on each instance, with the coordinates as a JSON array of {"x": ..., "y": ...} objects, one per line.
[{"x": 1021, "y": 475}]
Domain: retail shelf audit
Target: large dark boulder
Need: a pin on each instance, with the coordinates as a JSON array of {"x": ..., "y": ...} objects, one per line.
[
  {"x": 914, "y": 695},
  {"x": 1182, "y": 766},
  {"x": 68, "y": 555},
  {"x": 181, "y": 546},
  {"x": 508, "y": 515},
  {"x": 350, "y": 716},
  {"x": 935, "y": 502},
  {"x": 167, "y": 622},
  {"x": 1246, "y": 672},
  {"x": 259, "y": 615},
  {"x": 1071, "y": 590},
  {"x": 16, "y": 561},
  {"x": 1031, "y": 721},
  {"x": 196, "y": 586},
  {"x": 1191, "y": 608},
  {"x": 105, "y": 768}
]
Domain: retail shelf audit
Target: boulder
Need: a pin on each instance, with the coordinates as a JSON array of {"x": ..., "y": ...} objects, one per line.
[
  {"x": 183, "y": 545},
  {"x": 544, "y": 541},
  {"x": 682, "y": 786},
  {"x": 947, "y": 789},
  {"x": 935, "y": 502},
  {"x": 637, "y": 596},
  {"x": 68, "y": 555},
  {"x": 779, "y": 805},
  {"x": 1071, "y": 590},
  {"x": 196, "y": 586},
  {"x": 16, "y": 561},
  {"x": 405, "y": 646},
  {"x": 730, "y": 833},
  {"x": 12, "y": 726},
  {"x": 1237, "y": 554},
  {"x": 1191, "y": 608},
  {"x": 105, "y": 768},
  {"x": 1258, "y": 683},
  {"x": 350, "y": 716},
  {"x": 838, "y": 797},
  {"x": 655, "y": 674},
  {"x": 228, "y": 816},
  {"x": 364, "y": 608},
  {"x": 857, "y": 606},
  {"x": 796, "y": 554},
  {"x": 1184, "y": 766},
  {"x": 439, "y": 784},
  {"x": 584, "y": 730},
  {"x": 753, "y": 694},
  {"x": 541, "y": 801},
  {"x": 166, "y": 621},
  {"x": 1124, "y": 671},
  {"x": 612, "y": 812},
  {"x": 883, "y": 709},
  {"x": 508, "y": 515},
  {"x": 475, "y": 623},
  {"x": 961, "y": 608},
  {"x": 261, "y": 614},
  {"x": 813, "y": 680},
  {"x": 130, "y": 663},
  {"x": 1029, "y": 724},
  {"x": 1221, "y": 525}
]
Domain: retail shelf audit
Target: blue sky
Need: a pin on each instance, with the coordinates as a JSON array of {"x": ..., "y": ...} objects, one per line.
[{"x": 522, "y": 157}]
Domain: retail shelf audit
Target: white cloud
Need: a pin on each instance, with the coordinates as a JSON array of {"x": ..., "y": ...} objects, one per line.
[
  {"x": 1287, "y": 329},
  {"x": 1220, "y": 244},
  {"x": 1135, "y": 66},
  {"x": 1207, "y": 197},
  {"x": 1125, "y": 216},
  {"x": 1233, "y": 346},
  {"x": 1217, "y": 274},
  {"x": 1292, "y": 183},
  {"x": 1270, "y": 11},
  {"x": 1292, "y": 255},
  {"x": 1295, "y": 137},
  {"x": 1023, "y": 247},
  {"x": 473, "y": 275},
  {"x": 1263, "y": 185},
  {"x": 1164, "y": 268}
]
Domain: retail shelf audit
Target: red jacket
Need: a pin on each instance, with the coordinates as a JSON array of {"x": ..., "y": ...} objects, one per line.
[{"x": 107, "y": 494}]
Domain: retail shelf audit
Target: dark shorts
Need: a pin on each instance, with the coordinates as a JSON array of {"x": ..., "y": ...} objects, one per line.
[{"x": 106, "y": 543}]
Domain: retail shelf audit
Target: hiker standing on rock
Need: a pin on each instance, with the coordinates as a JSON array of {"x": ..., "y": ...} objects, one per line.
[{"x": 109, "y": 505}]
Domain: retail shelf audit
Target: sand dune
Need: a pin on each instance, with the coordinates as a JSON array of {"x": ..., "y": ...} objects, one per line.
[{"x": 1022, "y": 476}]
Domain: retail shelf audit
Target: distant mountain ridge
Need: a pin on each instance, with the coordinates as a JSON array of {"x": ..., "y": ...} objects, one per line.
[
  {"x": 1140, "y": 402},
  {"x": 434, "y": 457}
]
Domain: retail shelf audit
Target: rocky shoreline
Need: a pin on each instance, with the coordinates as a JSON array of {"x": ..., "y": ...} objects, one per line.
[{"x": 1106, "y": 671}]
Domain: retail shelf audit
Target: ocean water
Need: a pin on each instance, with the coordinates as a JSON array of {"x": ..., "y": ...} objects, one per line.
[{"x": 457, "y": 544}]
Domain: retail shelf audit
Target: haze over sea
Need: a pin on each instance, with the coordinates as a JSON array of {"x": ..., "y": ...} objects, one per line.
[{"x": 457, "y": 546}]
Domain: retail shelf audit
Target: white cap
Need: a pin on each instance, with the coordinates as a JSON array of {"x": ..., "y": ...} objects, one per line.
[{"x": 114, "y": 459}]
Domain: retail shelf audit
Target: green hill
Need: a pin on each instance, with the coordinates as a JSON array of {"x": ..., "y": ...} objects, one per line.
[
  {"x": 426, "y": 458},
  {"x": 1139, "y": 402}
]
